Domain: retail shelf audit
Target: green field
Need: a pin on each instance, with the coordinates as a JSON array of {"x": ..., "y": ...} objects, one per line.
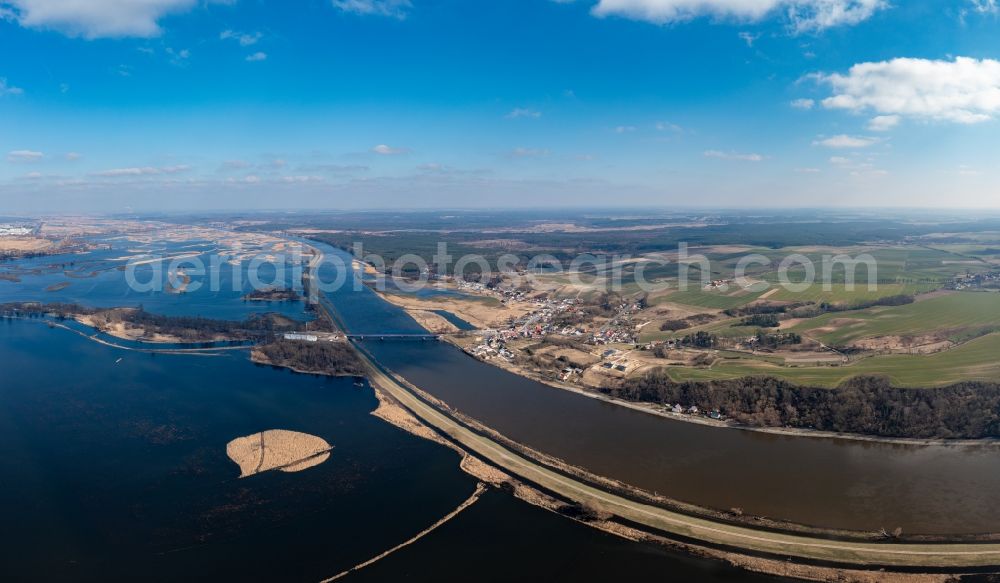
[
  {"x": 953, "y": 312},
  {"x": 975, "y": 360},
  {"x": 716, "y": 300},
  {"x": 839, "y": 293}
]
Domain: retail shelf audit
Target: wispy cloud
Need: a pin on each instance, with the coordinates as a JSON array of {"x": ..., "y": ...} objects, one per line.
[
  {"x": 141, "y": 171},
  {"x": 844, "y": 141},
  {"x": 519, "y": 112},
  {"x": 749, "y": 157},
  {"x": 256, "y": 57},
  {"x": 749, "y": 38},
  {"x": 385, "y": 150},
  {"x": 802, "y": 103},
  {"x": 6, "y": 89},
  {"x": 391, "y": 8},
  {"x": 24, "y": 156},
  {"x": 664, "y": 126},
  {"x": 245, "y": 39},
  {"x": 883, "y": 123},
  {"x": 802, "y": 16}
]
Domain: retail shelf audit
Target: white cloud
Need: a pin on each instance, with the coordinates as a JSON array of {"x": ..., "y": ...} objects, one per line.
[
  {"x": 141, "y": 171},
  {"x": 518, "y": 112},
  {"x": 624, "y": 129},
  {"x": 256, "y": 57},
  {"x": 808, "y": 170},
  {"x": 384, "y": 150},
  {"x": 883, "y": 123},
  {"x": 95, "y": 18},
  {"x": 73, "y": 156},
  {"x": 24, "y": 156},
  {"x": 733, "y": 156},
  {"x": 663, "y": 126},
  {"x": 803, "y": 103},
  {"x": 802, "y": 15},
  {"x": 245, "y": 39},
  {"x": 964, "y": 90},
  {"x": 6, "y": 89},
  {"x": 844, "y": 141},
  {"x": 749, "y": 38},
  {"x": 391, "y": 8},
  {"x": 985, "y": 6}
]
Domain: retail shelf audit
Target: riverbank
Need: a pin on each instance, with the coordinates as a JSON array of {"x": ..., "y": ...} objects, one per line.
[
  {"x": 660, "y": 411},
  {"x": 480, "y": 311}
]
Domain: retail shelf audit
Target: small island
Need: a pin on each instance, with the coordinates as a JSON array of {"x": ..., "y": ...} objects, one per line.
[
  {"x": 274, "y": 294},
  {"x": 330, "y": 355}
]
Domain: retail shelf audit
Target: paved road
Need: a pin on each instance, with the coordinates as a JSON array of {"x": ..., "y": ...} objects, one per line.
[{"x": 956, "y": 555}]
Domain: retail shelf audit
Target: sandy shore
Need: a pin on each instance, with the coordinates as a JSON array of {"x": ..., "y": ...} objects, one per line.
[
  {"x": 125, "y": 332},
  {"x": 481, "y": 313}
]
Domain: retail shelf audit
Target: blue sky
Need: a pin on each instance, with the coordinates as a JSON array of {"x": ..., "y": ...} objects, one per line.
[{"x": 111, "y": 105}]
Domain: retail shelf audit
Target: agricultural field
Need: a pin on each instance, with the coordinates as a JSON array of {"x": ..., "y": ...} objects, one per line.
[
  {"x": 975, "y": 360},
  {"x": 839, "y": 293},
  {"x": 711, "y": 299},
  {"x": 950, "y": 312}
]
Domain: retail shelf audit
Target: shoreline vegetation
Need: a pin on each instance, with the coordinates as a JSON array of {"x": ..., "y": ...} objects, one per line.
[{"x": 864, "y": 405}]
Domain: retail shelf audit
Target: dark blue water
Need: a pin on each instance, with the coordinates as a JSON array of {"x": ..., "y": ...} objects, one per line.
[
  {"x": 117, "y": 470},
  {"x": 455, "y": 320}
]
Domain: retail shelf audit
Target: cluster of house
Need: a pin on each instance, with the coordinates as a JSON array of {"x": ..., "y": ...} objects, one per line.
[
  {"x": 976, "y": 280},
  {"x": 493, "y": 346},
  {"x": 620, "y": 329},
  {"x": 718, "y": 284},
  {"x": 504, "y": 294},
  {"x": 692, "y": 410}
]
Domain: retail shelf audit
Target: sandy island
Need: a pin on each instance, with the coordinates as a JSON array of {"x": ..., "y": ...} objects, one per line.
[{"x": 277, "y": 449}]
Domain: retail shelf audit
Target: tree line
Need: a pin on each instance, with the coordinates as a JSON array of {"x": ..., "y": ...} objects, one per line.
[{"x": 865, "y": 405}]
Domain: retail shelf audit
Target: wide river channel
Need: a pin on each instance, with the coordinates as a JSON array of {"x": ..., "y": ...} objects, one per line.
[{"x": 823, "y": 482}]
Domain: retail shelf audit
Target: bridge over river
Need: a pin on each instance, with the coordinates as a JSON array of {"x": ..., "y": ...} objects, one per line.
[{"x": 394, "y": 336}]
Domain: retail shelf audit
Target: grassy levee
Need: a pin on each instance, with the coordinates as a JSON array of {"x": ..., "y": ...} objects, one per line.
[
  {"x": 947, "y": 312},
  {"x": 902, "y": 555},
  {"x": 974, "y": 361}
]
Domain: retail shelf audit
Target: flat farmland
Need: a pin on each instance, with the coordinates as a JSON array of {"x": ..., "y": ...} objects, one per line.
[
  {"x": 976, "y": 360},
  {"x": 949, "y": 312}
]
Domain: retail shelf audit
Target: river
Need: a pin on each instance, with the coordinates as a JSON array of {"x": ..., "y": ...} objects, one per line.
[{"x": 823, "y": 482}]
